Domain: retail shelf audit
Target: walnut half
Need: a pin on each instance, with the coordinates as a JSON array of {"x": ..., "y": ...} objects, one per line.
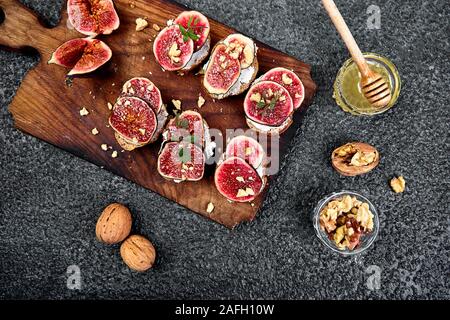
[{"x": 355, "y": 158}]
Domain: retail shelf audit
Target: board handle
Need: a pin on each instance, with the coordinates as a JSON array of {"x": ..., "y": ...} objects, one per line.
[{"x": 21, "y": 28}]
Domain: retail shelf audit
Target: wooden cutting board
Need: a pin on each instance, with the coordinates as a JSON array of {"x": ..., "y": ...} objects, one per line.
[{"x": 47, "y": 108}]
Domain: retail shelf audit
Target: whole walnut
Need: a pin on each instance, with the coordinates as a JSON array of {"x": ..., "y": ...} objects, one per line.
[
  {"x": 138, "y": 253},
  {"x": 114, "y": 224}
]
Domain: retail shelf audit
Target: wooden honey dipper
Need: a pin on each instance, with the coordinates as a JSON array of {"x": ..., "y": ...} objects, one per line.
[{"x": 374, "y": 87}]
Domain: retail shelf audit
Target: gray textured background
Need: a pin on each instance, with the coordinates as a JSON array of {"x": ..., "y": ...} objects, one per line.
[{"x": 50, "y": 200}]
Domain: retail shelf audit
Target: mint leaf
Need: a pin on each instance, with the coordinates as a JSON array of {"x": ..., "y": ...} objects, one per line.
[
  {"x": 272, "y": 103},
  {"x": 261, "y": 104},
  {"x": 184, "y": 156}
]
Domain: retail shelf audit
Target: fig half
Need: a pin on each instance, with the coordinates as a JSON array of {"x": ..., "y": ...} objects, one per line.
[
  {"x": 181, "y": 161},
  {"x": 238, "y": 181},
  {"x": 81, "y": 55},
  {"x": 197, "y": 23},
  {"x": 268, "y": 103},
  {"x": 222, "y": 72},
  {"x": 134, "y": 120},
  {"x": 246, "y": 148},
  {"x": 290, "y": 81},
  {"x": 171, "y": 50},
  {"x": 144, "y": 89},
  {"x": 93, "y": 17}
]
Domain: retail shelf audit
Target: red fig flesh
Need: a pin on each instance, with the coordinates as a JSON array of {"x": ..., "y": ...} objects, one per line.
[
  {"x": 241, "y": 48},
  {"x": 181, "y": 161},
  {"x": 170, "y": 49},
  {"x": 222, "y": 72},
  {"x": 237, "y": 180},
  {"x": 245, "y": 148},
  {"x": 188, "y": 123},
  {"x": 134, "y": 120},
  {"x": 81, "y": 55},
  {"x": 268, "y": 103},
  {"x": 197, "y": 23},
  {"x": 290, "y": 81},
  {"x": 93, "y": 17},
  {"x": 144, "y": 89}
]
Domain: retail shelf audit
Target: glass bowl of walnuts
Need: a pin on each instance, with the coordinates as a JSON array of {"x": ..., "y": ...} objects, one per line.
[{"x": 346, "y": 222}]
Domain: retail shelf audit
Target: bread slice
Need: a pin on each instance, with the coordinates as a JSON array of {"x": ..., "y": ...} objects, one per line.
[
  {"x": 246, "y": 77},
  {"x": 198, "y": 56}
]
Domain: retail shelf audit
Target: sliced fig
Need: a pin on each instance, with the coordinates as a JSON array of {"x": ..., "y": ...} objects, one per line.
[
  {"x": 170, "y": 49},
  {"x": 93, "y": 17},
  {"x": 134, "y": 120},
  {"x": 197, "y": 23},
  {"x": 189, "y": 123},
  {"x": 81, "y": 55},
  {"x": 222, "y": 72},
  {"x": 290, "y": 81},
  {"x": 268, "y": 103},
  {"x": 245, "y": 148},
  {"x": 181, "y": 161},
  {"x": 145, "y": 89},
  {"x": 130, "y": 145},
  {"x": 238, "y": 181},
  {"x": 242, "y": 48}
]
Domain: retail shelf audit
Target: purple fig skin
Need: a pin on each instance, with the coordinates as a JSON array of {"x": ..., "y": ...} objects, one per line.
[
  {"x": 238, "y": 181},
  {"x": 81, "y": 55},
  {"x": 93, "y": 17}
]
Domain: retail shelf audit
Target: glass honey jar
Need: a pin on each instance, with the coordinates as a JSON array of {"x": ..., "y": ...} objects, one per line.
[{"x": 347, "y": 89}]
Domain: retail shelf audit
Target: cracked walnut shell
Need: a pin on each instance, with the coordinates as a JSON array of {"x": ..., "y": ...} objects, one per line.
[
  {"x": 138, "y": 253},
  {"x": 114, "y": 224},
  {"x": 355, "y": 158}
]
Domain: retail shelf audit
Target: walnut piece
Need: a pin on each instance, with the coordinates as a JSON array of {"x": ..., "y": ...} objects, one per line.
[
  {"x": 201, "y": 101},
  {"x": 355, "y": 158},
  {"x": 177, "y": 104},
  {"x": 398, "y": 184},
  {"x": 210, "y": 207},
  {"x": 345, "y": 219},
  {"x": 286, "y": 79},
  {"x": 141, "y": 24}
]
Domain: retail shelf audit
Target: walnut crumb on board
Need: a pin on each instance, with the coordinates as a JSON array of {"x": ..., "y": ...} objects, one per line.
[
  {"x": 94, "y": 131},
  {"x": 398, "y": 184},
  {"x": 104, "y": 147},
  {"x": 141, "y": 24},
  {"x": 210, "y": 207},
  {"x": 156, "y": 27},
  {"x": 114, "y": 154},
  {"x": 84, "y": 112},
  {"x": 177, "y": 104},
  {"x": 201, "y": 101}
]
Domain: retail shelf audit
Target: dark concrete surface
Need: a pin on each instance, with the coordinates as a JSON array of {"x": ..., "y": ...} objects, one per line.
[{"x": 50, "y": 200}]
